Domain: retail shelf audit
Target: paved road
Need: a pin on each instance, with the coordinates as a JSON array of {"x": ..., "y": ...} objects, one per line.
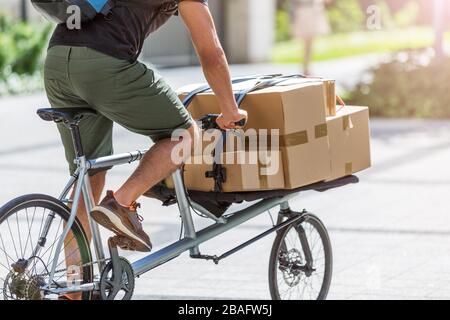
[{"x": 390, "y": 233}]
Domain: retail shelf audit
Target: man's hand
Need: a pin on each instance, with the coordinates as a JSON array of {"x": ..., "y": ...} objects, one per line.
[
  {"x": 228, "y": 121},
  {"x": 200, "y": 24}
]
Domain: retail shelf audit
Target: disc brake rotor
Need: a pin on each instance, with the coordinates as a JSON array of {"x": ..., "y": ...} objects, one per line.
[{"x": 288, "y": 260}]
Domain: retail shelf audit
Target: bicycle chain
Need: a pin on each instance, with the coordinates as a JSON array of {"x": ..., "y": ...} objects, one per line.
[{"x": 81, "y": 266}]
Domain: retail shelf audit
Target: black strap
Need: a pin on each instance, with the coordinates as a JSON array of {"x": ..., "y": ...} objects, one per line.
[
  {"x": 240, "y": 96},
  {"x": 187, "y": 101},
  {"x": 203, "y": 88}
]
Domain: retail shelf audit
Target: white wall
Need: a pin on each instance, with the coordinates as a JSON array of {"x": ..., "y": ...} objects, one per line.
[
  {"x": 250, "y": 29},
  {"x": 13, "y": 7},
  {"x": 247, "y": 28}
]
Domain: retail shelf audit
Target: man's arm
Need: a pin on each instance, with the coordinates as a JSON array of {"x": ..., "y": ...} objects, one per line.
[{"x": 200, "y": 24}]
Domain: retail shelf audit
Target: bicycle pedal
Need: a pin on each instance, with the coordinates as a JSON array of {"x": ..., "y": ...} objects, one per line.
[{"x": 123, "y": 243}]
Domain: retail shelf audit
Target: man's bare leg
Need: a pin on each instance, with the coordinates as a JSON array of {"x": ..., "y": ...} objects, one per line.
[{"x": 156, "y": 165}]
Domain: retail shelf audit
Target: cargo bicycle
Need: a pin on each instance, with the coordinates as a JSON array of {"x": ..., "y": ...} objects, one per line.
[{"x": 40, "y": 233}]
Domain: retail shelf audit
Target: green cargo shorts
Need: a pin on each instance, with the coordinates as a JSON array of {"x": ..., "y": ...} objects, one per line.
[{"x": 129, "y": 94}]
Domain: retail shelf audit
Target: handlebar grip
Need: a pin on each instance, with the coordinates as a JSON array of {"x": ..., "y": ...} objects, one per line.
[
  {"x": 241, "y": 123},
  {"x": 209, "y": 122}
]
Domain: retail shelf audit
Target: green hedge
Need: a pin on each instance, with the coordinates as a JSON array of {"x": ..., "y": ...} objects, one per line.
[
  {"x": 411, "y": 85},
  {"x": 21, "y": 52}
]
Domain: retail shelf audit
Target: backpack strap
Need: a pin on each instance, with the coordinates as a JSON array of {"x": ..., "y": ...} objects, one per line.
[{"x": 132, "y": 3}]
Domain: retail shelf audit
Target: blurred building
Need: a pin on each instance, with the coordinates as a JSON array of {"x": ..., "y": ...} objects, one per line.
[{"x": 246, "y": 29}]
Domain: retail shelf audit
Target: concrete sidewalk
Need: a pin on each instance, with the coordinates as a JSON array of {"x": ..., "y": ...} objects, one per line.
[{"x": 390, "y": 233}]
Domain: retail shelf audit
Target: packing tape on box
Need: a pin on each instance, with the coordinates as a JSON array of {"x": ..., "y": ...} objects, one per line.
[
  {"x": 294, "y": 139},
  {"x": 330, "y": 94},
  {"x": 321, "y": 131},
  {"x": 263, "y": 179},
  {"x": 347, "y": 123},
  {"x": 349, "y": 168}
]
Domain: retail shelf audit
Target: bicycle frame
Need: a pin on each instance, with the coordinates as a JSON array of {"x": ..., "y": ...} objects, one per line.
[{"x": 192, "y": 239}]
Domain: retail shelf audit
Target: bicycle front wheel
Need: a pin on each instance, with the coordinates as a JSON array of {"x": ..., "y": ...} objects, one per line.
[
  {"x": 301, "y": 262},
  {"x": 30, "y": 230}
]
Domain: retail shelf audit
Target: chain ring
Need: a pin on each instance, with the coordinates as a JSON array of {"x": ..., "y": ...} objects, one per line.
[{"x": 109, "y": 290}]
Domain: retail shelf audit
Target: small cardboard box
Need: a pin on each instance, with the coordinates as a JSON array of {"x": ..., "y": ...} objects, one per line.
[
  {"x": 245, "y": 171},
  {"x": 349, "y": 136},
  {"x": 297, "y": 114}
]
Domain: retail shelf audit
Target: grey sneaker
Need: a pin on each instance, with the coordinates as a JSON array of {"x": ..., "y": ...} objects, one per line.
[{"x": 123, "y": 221}]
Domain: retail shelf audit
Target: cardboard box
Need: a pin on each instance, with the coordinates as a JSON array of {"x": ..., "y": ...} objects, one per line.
[
  {"x": 297, "y": 114},
  {"x": 349, "y": 136},
  {"x": 206, "y": 102},
  {"x": 245, "y": 171}
]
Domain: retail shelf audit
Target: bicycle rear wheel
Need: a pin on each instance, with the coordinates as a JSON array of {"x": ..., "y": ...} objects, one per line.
[
  {"x": 30, "y": 229},
  {"x": 300, "y": 266}
]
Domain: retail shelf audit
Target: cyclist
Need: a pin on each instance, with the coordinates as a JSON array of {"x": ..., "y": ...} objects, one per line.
[{"x": 96, "y": 67}]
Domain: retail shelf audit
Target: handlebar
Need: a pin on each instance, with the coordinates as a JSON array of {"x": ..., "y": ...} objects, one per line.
[{"x": 210, "y": 122}]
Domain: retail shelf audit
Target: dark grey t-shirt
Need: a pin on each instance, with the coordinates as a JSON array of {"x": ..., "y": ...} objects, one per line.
[{"x": 122, "y": 33}]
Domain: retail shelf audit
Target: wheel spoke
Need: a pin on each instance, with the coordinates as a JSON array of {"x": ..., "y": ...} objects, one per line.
[
  {"x": 67, "y": 256},
  {"x": 12, "y": 239},
  {"x": 8, "y": 257},
  {"x": 8, "y": 269},
  {"x": 20, "y": 237},
  {"x": 53, "y": 244},
  {"x": 54, "y": 241},
  {"x": 29, "y": 229}
]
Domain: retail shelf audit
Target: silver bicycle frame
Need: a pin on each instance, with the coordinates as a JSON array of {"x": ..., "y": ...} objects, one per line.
[{"x": 192, "y": 239}]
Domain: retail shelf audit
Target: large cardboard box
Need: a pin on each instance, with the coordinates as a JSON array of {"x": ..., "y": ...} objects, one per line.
[
  {"x": 349, "y": 136},
  {"x": 296, "y": 113},
  {"x": 245, "y": 171}
]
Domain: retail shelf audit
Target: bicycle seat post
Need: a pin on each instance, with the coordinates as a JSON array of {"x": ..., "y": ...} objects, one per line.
[
  {"x": 76, "y": 139},
  {"x": 80, "y": 159}
]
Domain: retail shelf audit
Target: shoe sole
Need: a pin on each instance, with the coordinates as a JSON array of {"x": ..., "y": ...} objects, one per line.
[{"x": 112, "y": 222}]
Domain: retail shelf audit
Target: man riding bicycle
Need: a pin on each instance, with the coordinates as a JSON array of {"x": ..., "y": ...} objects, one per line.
[{"x": 96, "y": 67}]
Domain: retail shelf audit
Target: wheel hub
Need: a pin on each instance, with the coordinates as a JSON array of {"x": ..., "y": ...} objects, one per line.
[{"x": 289, "y": 265}]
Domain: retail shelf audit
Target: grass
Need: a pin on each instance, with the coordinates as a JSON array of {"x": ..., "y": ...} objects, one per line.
[{"x": 336, "y": 46}]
